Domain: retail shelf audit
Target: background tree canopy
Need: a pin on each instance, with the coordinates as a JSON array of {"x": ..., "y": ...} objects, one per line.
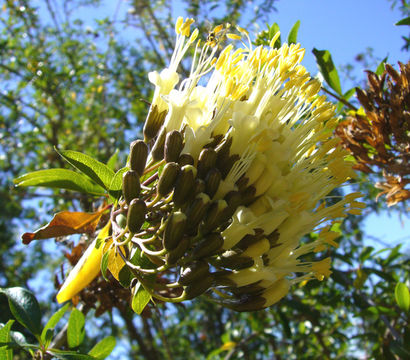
[{"x": 67, "y": 85}]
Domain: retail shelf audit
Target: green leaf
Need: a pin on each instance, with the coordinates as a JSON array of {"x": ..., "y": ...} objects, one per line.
[
  {"x": 115, "y": 188},
  {"x": 103, "y": 348},
  {"x": 75, "y": 330},
  {"x": 112, "y": 161},
  {"x": 60, "y": 179},
  {"x": 140, "y": 298},
  {"x": 25, "y": 308},
  {"x": 53, "y": 321},
  {"x": 272, "y": 32},
  {"x": 94, "y": 169},
  {"x": 380, "y": 68},
  {"x": 125, "y": 276},
  {"x": 6, "y": 353},
  {"x": 104, "y": 264},
  {"x": 402, "y": 295},
  {"x": 70, "y": 355},
  {"x": 293, "y": 34},
  {"x": 328, "y": 69},
  {"x": 405, "y": 21}
]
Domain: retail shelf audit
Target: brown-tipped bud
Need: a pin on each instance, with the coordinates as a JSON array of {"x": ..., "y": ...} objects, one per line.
[
  {"x": 195, "y": 271},
  {"x": 212, "y": 181},
  {"x": 176, "y": 254},
  {"x": 196, "y": 212},
  {"x": 186, "y": 159},
  {"x": 174, "y": 230},
  {"x": 138, "y": 156},
  {"x": 157, "y": 151},
  {"x": 130, "y": 185},
  {"x": 223, "y": 149},
  {"x": 199, "y": 186},
  {"x": 173, "y": 146},
  {"x": 216, "y": 139},
  {"x": 199, "y": 287},
  {"x": 136, "y": 215},
  {"x": 251, "y": 289},
  {"x": 227, "y": 165},
  {"x": 234, "y": 261},
  {"x": 206, "y": 161},
  {"x": 208, "y": 246},
  {"x": 153, "y": 123},
  {"x": 248, "y": 196},
  {"x": 249, "y": 304},
  {"x": 233, "y": 199},
  {"x": 214, "y": 216},
  {"x": 185, "y": 185},
  {"x": 168, "y": 178},
  {"x": 249, "y": 240}
]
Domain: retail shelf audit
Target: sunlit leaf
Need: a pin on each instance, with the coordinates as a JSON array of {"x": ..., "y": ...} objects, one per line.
[
  {"x": 60, "y": 179},
  {"x": 103, "y": 348},
  {"x": 327, "y": 69},
  {"x": 53, "y": 321},
  {"x": 293, "y": 34},
  {"x": 6, "y": 353},
  {"x": 75, "y": 330},
  {"x": 140, "y": 298},
  {"x": 94, "y": 169},
  {"x": 402, "y": 295},
  {"x": 66, "y": 223}
]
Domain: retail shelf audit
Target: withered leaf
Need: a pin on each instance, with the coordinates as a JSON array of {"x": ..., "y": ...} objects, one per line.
[{"x": 66, "y": 223}]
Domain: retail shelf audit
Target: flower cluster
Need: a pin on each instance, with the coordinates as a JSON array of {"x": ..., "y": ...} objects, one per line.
[{"x": 234, "y": 169}]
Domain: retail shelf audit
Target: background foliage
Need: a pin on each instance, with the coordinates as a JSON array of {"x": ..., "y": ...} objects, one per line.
[{"x": 69, "y": 86}]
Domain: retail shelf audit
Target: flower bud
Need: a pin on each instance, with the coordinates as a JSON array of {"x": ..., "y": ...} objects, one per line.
[
  {"x": 208, "y": 246},
  {"x": 196, "y": 212},
  {"x": 153, "y": 123},
  {"x": 252, "y": 289},
  {"x": 157, "y": 151},
  {"x": 206, "y": 161},
  {"x": 233, "y": 260},
  {"x": 176, "y": 254},
  {"x": 249, "y": 304},
  {"x": 173, "y": 146},
  {"x": 212, "y": 181},
  {"x": 174, "y": 230},
  {"x": 184, "y": 185},
  {"x": 199, "y": 287},
  {"x": 138, "y": 156},
  {"x": 168, "y": 178},
  {"x": 130, "y": 185},
  {"x": 136, "y": 215},
  {"x": 214, "y": 216},
  {"x": 121, "y": 220},
  {"x": 227, "y": 165},
  {"x": 195, "y": 271},
  {"x": 186, "y": 159}
]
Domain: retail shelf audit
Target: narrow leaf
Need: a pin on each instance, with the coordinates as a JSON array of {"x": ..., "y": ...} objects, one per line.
[
  {"x": 66, "y": 223},
  {"x": 75, "y": 330},
  {"x": 115, "y": 187},
  {"x": 6, "y": 353},
  {"x": 60, "y": 179},
  {"x": 328, "y": 69},
  {"x": 25, "y": 308},
  {"x": 380, "y": 68},
  {"x": 112, "y": 161},
  {"x": 293, "y": 34},
  {"x": 402, "y": 295},
  {"x": 70, "y": 355},
  {"x": 94, "y": 169},
  {"x": 273, "y": 30},
  {"x": 53, "y": 321},
  {"x": 140, "y": 299},
  {"x": 405, "y": 21},
  {"x": 103, "y": 348}
]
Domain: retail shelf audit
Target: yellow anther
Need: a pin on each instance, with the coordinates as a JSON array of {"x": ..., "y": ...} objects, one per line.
[
  {"x": 178, "y": 24},
  {"x": 233, "y": 36},
  {"x": 218, "y": 28},
  {"x": 275, "y": 37},
  {"x": 194, "y": 35},
  {"x": 242, "y": 30}
]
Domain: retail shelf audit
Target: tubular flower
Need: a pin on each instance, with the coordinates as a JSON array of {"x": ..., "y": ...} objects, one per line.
[{"x": 235, "y": 169}]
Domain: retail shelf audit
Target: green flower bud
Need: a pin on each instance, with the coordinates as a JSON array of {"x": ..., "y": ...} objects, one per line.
[
  {"x": 173, "y": 146},
  {"x": 121, "y": 220},
  {"x": 195, "y": 271},
  {"x": 168, "y": 178},
  {"x": 184, "y": 186},
  {"x": 214, "y": 217},
  {"x": 138, "y": 156},
  {"x": 157, "y": 151},
  {"x": 208, "y": 246},
  {"x": 199, "y": 287},
  {"x": 212, "y": 181},
  {"x": 174, "y": 230},
  {"x": 136, "y": 215},
  {"x": 206, "y": 161},
  {"x": 249, "y": 304},
  {"x": 153, "y": 123},
  {"x": 196, "y": 212},
  {"x": 186, "y": 159},
  {"x": 176, "y": 254},
  {"x": 130, "y": 185}
]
